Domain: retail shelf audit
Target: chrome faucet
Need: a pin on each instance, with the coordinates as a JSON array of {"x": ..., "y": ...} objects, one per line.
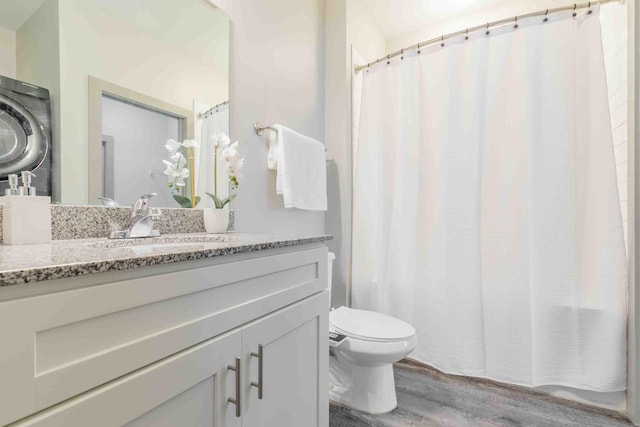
[{"x": 142, "y": 220}]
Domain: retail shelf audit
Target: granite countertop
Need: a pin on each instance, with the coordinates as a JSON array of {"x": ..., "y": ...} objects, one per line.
[{"x": 60, "y": 259}]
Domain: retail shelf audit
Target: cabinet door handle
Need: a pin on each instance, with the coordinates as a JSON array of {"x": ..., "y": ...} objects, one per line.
[
  {"x": 258, "y": 385},
  {"x": 236, "y": 400}
]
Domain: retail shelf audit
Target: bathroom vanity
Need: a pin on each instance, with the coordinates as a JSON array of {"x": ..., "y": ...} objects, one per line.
[{"x": 166, "y": 332}]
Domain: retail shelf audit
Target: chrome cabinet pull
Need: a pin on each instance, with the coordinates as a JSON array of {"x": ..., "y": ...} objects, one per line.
[
  {"x": 258, "y": 385},
  {"x": 236, "y": 400}
]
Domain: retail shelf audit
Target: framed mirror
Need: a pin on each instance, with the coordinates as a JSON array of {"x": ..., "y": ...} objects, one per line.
[{"x": 125, "y": 76}]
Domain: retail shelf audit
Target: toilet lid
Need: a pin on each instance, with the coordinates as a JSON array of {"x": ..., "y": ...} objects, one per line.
[{"x": 369, "y": 325}]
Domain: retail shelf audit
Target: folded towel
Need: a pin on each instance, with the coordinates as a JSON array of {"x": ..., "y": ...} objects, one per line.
[
  {"x": 301, "y": 164},
  {"x": 272, "y": 156}
]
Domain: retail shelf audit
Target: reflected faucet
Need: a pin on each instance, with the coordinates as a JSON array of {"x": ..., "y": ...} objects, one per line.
[
  {"x": 107, "y": 201},
  {"x": 142, "y": 220}
]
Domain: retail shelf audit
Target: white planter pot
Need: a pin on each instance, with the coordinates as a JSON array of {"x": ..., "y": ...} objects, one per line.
[{"x": 216, "y": 220}]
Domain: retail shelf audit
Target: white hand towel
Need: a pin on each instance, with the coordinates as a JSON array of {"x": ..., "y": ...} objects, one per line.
[
  {"x": 272, "y": 155},
  {"x": 302, "y": 172}
]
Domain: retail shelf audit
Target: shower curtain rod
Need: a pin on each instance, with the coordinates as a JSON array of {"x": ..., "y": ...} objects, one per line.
[
  {"x": 486, "y": 26},
  {"x": 210, "y": 110}
]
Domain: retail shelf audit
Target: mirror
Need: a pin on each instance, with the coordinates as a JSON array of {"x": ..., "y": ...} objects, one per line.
[{"x": 124, "y": 76}]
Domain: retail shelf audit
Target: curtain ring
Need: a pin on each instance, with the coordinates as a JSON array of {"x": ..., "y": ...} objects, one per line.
[
  {"x": 441, "y": 41},
  {"x": 466, "y": 34},
  {"x": 516, "y": 22},
  {"x": 401, "y": 53},
  {"x": 589, "y": 11},
  {"x": 388, "y": 60},
  {"x": 546, "y": 18},
  {"x": 418, "y": 48},
  {"x": 574, "y": 10},
  {"x": 487, "y": 32}
]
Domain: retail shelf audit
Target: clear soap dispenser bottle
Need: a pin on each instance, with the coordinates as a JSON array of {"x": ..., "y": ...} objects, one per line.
[
  {"x": 13, "y": 186},
  {"x": 27, "y": 189}
]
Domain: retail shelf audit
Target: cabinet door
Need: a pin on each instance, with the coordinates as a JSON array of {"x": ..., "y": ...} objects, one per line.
[
  {"x": 294, "y": 366},
  {"x": 190, "y": 388}
]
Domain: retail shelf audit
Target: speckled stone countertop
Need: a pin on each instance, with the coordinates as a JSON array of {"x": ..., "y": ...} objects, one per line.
[{"x": 60, "y": 259}]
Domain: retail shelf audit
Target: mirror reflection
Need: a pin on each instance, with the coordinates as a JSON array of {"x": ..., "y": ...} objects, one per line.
[{"x": 105, "y": 84}]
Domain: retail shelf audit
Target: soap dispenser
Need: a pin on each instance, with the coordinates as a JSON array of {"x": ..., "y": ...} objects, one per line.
[
  {"x": 26, "y": 217},
  {"x": 27, "y": 189},
  {"x": 13, "y": 186}
]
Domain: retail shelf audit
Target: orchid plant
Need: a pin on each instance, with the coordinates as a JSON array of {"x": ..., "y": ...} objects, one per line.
[
  {"x": 233, "y": 165},
  {"x": 177, "y": 171}
]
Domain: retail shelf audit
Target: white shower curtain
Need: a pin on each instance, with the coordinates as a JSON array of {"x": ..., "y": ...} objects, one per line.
[{"x": 486, "y": 211}]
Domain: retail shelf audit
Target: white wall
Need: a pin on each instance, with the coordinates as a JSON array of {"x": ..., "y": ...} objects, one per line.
[
  {"x": 96, "y": 41},
  {"x": 37, "y": 62},
  {"x": 613, "y": 18},
  {"x": 139, "y": 136},
  {"x": 277, "y": 76},
  {"x": 347, "y": 25},
  {"x": 503, "y": 10},
  {"x": 362, "y": 31},
  {"x": 7, "y": 52}
]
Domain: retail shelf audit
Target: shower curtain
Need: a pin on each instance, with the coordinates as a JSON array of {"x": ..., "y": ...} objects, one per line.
[
  {"x": 486, "y": 210},
  {"x": 217, "y": 121}
]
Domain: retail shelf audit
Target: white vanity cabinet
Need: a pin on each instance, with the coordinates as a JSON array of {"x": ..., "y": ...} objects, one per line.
[
  {"x": 288, "y": 347},
  {"x": 186, "y": 389},
  {"x": 156, "y": 349}
]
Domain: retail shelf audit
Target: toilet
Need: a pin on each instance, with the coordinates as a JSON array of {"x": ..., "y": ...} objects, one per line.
[{"x": 364, "y": 346}]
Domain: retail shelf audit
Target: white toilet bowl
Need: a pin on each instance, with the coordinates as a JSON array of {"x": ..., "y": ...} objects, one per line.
[{"x": 361, "y": 366}]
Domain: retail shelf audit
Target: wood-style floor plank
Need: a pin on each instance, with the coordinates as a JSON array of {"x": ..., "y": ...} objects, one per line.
[{"x": 428, "y": 397}]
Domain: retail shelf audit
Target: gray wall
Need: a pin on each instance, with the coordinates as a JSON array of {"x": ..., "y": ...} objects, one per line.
[
  {"x": 38, "y": 63},
  {"x": 139, "y": 135},
  {"x": 277, "y": 76}
]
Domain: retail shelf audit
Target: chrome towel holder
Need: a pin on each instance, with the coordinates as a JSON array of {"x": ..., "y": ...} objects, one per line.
[{"x": 259, "y": 128}]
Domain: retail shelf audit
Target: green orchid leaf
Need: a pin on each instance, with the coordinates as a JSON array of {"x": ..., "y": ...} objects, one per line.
[
  {"x": 216, "y": 200},
  {"x": 184, "y": 202},
  {"x": 220, "y": 203}
]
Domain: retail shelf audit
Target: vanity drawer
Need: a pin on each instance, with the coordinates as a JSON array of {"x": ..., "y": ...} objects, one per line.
[{"x": 58, "y": 345}]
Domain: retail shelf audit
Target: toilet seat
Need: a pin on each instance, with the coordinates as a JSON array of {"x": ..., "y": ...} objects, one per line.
[{"x": 369, "y": 326}]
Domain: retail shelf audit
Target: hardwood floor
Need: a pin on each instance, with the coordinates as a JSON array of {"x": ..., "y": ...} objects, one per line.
[{"x": 428, "y": 397}]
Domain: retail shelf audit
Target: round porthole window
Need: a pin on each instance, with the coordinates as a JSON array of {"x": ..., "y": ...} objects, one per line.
[{"x": 23, "y": 145}]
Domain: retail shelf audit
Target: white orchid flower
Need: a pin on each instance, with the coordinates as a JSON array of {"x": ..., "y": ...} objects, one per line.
[
  {"x": 169, "y": 170},
  {"x": 172, "y": 145},
  {"x": 175, "y": 167},
  {"x": 184, "y": 173},
  {"x": 234, "y": 166},
  {"x": 191, "y": 143},
  {"x": 231, "y": 152},
  {"x": 179, "y": 160},
  {"x": 220, "y": 139}
]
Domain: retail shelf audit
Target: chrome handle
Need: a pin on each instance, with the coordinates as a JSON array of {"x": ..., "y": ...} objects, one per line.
[
  {"x": 141, "y": 206},
  {"x": 258, "y": 385},
  {"x": 155, "y": 213},
  {"x": 236, "y": 400}
]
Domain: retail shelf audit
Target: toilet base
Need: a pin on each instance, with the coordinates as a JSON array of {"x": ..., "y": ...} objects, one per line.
[{"x": 369, "y": 389}]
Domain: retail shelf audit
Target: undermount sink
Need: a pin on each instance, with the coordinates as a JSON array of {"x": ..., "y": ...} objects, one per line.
[{"x": 162, "y": 241}]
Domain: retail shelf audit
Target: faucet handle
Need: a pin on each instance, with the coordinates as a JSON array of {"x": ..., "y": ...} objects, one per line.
[
  {"x": 141, "y": 205},
  {"x": 155, "y": 213}
]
